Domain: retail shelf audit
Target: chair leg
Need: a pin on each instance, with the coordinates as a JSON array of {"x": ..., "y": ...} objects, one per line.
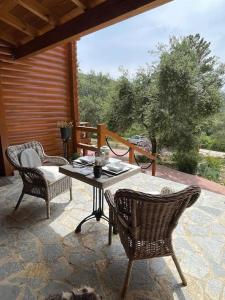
[
  {"x": 127, "y": 279},
  {"x": 48, "y": 209},
  {"x": 19, "y": 201},
  {"x": 71, "y": 194},
  {"x": 179, "y": 270}
]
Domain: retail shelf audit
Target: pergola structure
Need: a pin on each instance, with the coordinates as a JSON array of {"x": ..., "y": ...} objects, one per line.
[{"x": 38, "y": 83}]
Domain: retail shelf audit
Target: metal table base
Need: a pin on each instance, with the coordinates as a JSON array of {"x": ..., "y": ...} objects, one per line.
[{"x": 98, "y": 208}]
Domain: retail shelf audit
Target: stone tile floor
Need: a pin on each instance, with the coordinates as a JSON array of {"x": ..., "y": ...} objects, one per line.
[{"x": 39, "y": 257}]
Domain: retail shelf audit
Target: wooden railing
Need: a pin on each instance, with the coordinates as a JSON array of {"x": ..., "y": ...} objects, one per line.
[{"x": 102, "y": 133}]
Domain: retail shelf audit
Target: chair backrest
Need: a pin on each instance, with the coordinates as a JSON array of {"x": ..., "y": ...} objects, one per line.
[
  {"x": 153, "y": 217},
  {"x": 13, "y": 153}
]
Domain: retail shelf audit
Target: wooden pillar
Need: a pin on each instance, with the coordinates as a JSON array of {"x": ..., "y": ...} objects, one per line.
[
  {"x": 73, "y": 75},
  {"x": 5, "y": 168}
]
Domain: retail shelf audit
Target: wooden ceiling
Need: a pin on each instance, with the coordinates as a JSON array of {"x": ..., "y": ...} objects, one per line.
[{"x": 30, "y": 26}]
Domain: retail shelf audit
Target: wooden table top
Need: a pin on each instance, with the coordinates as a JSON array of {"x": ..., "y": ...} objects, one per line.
[{"x": 104, "y": 181}]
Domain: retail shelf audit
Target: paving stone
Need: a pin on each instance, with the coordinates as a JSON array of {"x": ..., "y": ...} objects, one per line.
[
  {"x": 60, "y": 270},
  {"x": 210, "y": 248},
  {"x": 39, "y": 257},
  {"x": 196, "y": 230},
  {"x": 33, "y": 283},
  {"x": 10, "y": 268},
  {"x": 28, "y": 295},
  {"x": 211, "y": 210},
  {"x": 214, "y": 288},
  {"x": 79, "y": 278},
  {"x": 195, "y": 265},
  {"x": 217, "y": 269},
  {"x": 45, "y": 234},
  {"x": 4, "y": 251},
  {"x": 55, "y": 287},
  {"x": 9, "y": 292},
  {"x": 199, "y": 217},
  {"x": 72, "y": 240},
  {"x": 52, "y": 251}
]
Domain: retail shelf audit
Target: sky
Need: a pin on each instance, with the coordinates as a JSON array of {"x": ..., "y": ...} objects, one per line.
[{"x": 128, "y": 43}]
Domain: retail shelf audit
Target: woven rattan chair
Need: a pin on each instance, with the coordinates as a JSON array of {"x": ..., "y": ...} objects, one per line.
[
  {"x": 145, "y": 223},
  {"x": 34, "y": 181}
]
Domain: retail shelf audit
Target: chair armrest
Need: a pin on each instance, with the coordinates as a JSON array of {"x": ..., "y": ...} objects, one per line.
[
  {"x": 55, "y": 160},
  {"x": 33, "y": 176},
  {"x": 110, "y": 200}
]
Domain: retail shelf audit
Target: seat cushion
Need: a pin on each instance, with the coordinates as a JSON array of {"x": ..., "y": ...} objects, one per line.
[
  {"x": 30, "y": 159},
  {"x": 51, "y": 173}
]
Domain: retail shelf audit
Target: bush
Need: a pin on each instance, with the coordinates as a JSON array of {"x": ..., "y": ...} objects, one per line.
[
  {"x": 218, "y": 145},
  {"x": 142, "y": 158},
  {"x": 210, "y": 168},
  {"x": 212, "y": 143},
  {"x": 206, "y": 142},
  {"x": 187, "y": 161}
]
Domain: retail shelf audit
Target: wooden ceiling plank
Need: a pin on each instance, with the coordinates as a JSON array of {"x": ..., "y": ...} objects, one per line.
[
  {"x": 7, "y": 5},
  {"x": 18, "y": 24},
  {"x": 37, "y": 9},
  {"x": 79, "y": 4},
  {"x": 105, "y": 14},
  {"x": 6, "y": 37},
  {"x": 72, "y": 14}
]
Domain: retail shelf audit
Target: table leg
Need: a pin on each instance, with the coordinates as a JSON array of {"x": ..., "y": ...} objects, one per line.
[{"x": 98, "y": 208}]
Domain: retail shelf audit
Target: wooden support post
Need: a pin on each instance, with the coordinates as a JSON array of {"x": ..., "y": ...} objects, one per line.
[
  {"x": 101, "y": 132},
  {"x": 5, "y": 168},
  {"x": 131, "y": 155},
  {"x": 154, "y": 165},
  {"x": 75, "y": 115}
]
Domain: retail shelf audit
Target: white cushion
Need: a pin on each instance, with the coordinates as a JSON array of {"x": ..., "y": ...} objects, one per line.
[
  {"x": 51, "y": 173},
  {"x": 30, "y": 159}
]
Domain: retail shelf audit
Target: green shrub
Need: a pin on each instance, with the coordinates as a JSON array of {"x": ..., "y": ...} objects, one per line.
[
  {"x": 210, "y": 167},
  {"x": 142, "y": 158},
  {"x": 206, "y": 142},
  {"x": 187, "y": 161},
  {"x": 218, "y": 145},
  {"x": 215, "y": 143}
]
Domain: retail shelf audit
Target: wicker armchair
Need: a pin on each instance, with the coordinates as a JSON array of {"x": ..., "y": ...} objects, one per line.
[
  {"x": 34, "y": 181},
  {"x": 146, "y": 222}
]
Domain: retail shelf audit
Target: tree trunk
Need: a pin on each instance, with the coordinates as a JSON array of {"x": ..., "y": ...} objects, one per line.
[{"x": 154, "y": 144}]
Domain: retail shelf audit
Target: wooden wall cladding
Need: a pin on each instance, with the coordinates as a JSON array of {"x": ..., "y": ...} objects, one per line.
[{"x": 35, "y": 94}]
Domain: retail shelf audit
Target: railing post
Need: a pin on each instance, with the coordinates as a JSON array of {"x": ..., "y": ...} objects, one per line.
[
  {"x": 154, "y": 165},
  {"x": 101, "y": 132},
  {"x": 77, "y": 136},
  {"x": 131, "y": 155}
]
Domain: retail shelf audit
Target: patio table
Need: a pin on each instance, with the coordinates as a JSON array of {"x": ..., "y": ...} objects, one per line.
[{"x": 99, "y": 184}]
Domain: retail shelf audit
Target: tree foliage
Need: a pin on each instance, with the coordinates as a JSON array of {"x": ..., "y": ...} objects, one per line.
[
  {"x": 96, "y": 92},
  {"x": 189, "y": 83},
  {"x": 171, "y": 101}
]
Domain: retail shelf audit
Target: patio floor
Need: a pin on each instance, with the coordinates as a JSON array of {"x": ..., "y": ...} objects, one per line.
[{"x": 39, "y": 257}]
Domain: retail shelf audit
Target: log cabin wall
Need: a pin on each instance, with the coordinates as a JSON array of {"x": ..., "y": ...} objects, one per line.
[{"x": 35, "y": 93}]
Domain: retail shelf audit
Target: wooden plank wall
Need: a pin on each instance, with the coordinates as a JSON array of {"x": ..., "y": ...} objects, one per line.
[{"x": 36, "y": 93}]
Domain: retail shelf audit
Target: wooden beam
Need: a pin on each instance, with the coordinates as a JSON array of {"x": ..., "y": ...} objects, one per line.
[
  {"x": 18, "y": 24},
  {"x": 37, "y": 9},
  {"x": 105, "y": 14},
  {"x": 79, "y": 4}
]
